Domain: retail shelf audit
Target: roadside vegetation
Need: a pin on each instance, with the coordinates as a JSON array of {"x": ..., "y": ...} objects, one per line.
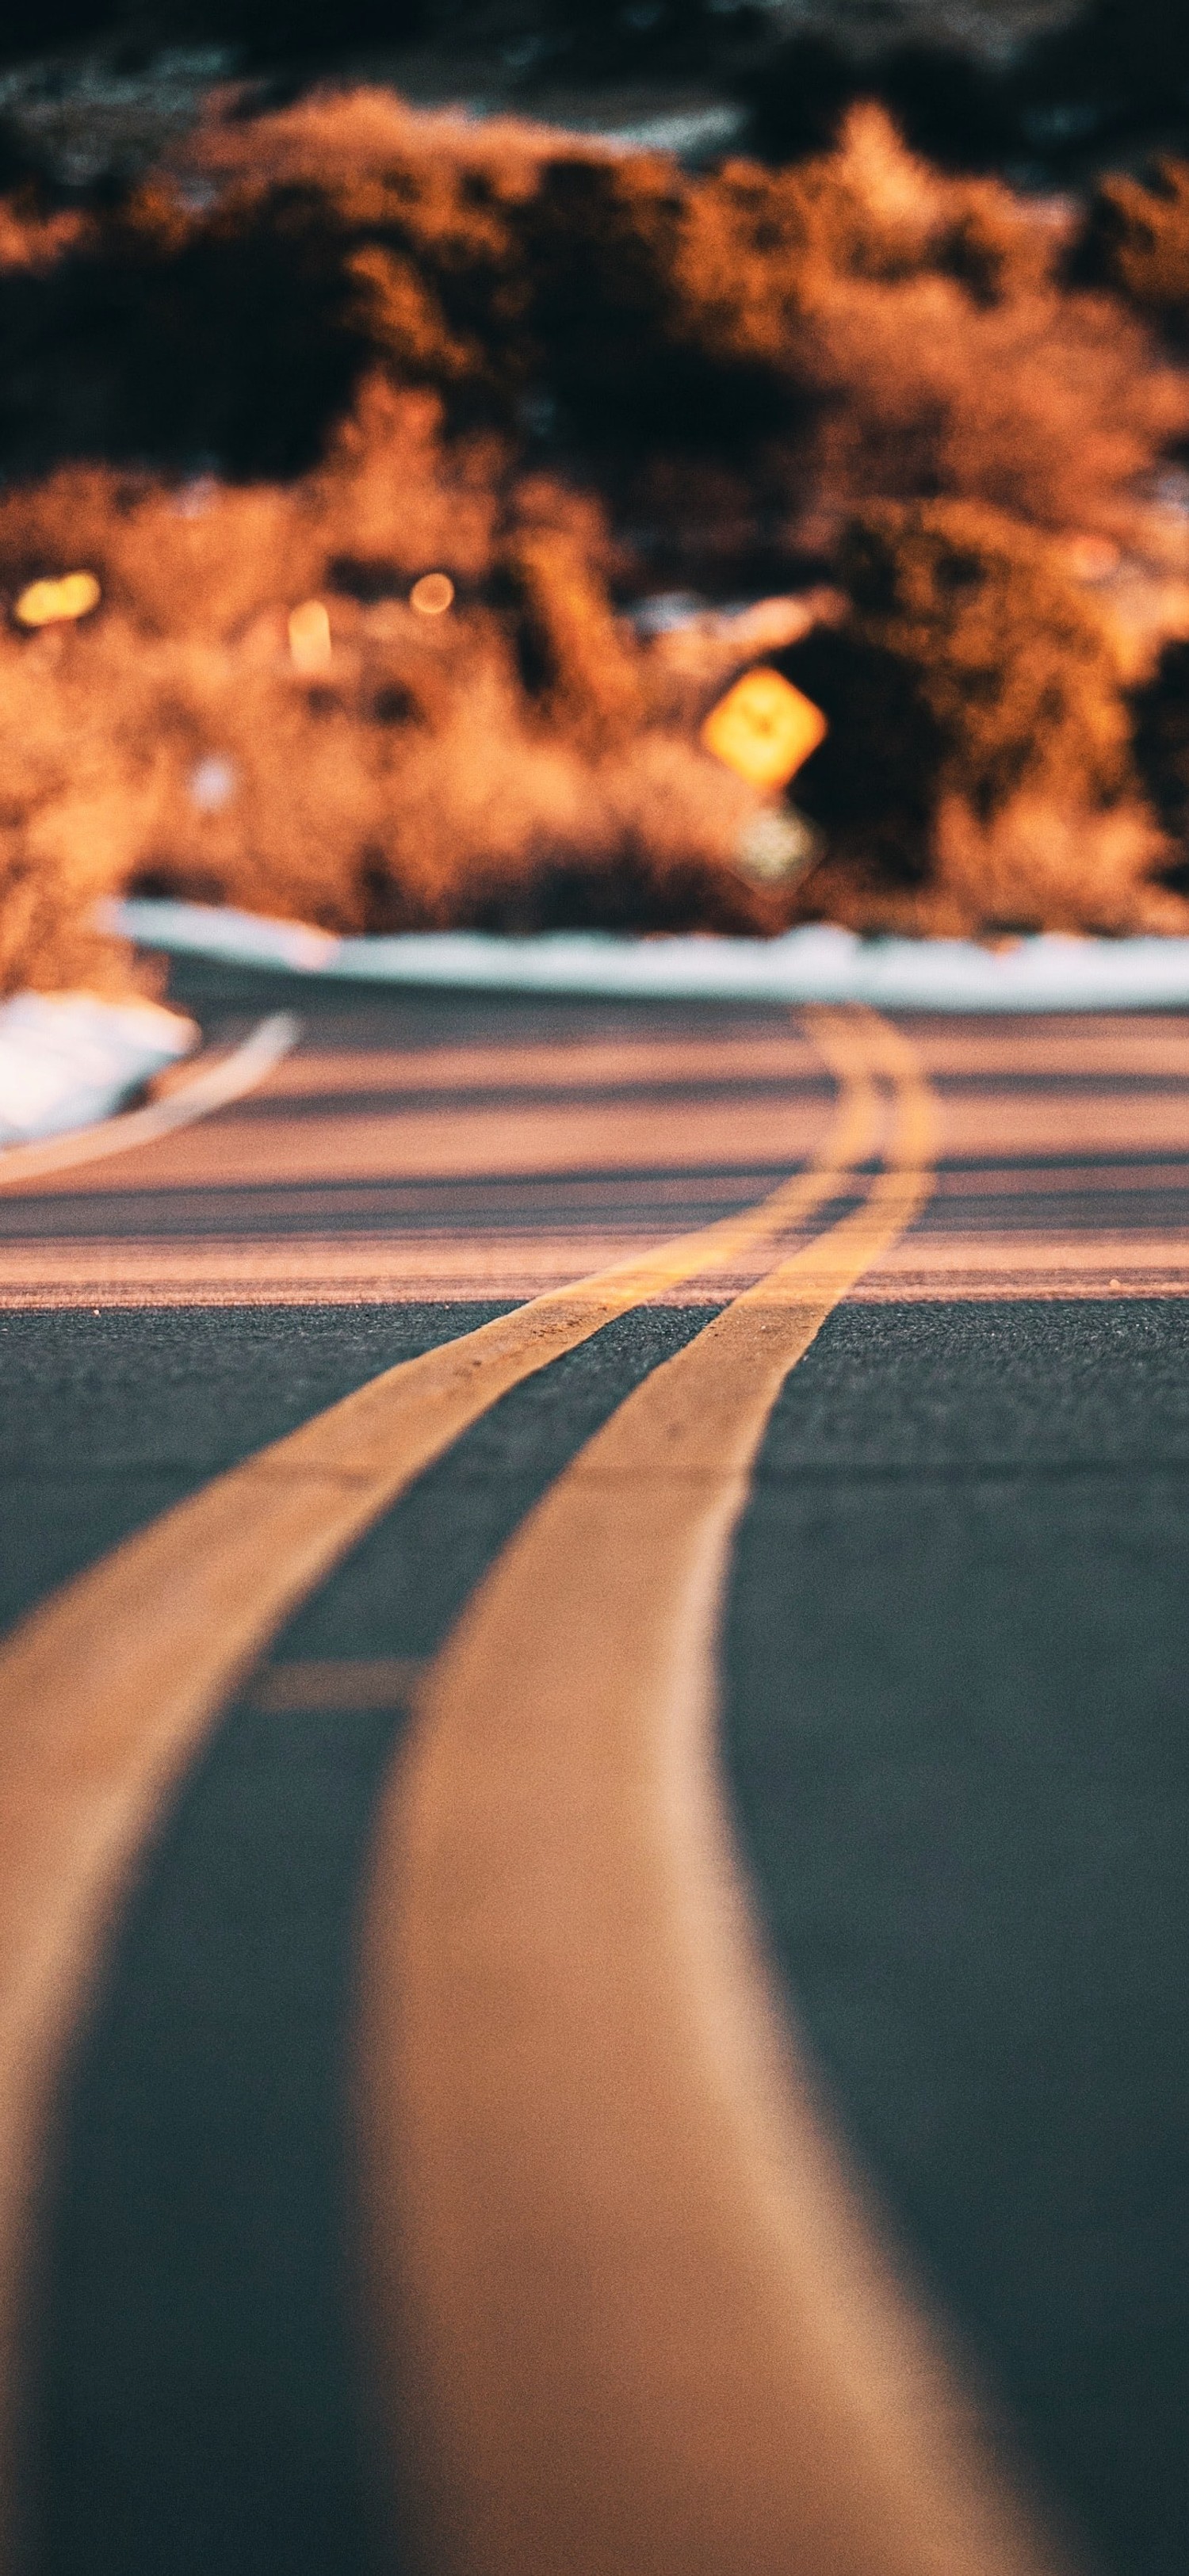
[{"x": 327, "y": 349}]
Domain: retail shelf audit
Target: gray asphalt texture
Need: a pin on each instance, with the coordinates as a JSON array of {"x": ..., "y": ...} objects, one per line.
[
  {"x": 956, "y": 1735},
  {"x": 956, "y": 1746}
]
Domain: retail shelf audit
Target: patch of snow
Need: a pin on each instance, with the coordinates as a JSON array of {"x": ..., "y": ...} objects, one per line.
[
  {"x": 215, "y": 930},
  {"x": 67, "y": 1059},
  {"x": 820, "y": 963},
  {"x": 691, "y": 130}
]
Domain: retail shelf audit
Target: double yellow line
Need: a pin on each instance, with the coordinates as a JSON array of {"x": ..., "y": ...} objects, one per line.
[
  {"x": 600, "y": 1618},
  {"x": 626, "y": 2309}
]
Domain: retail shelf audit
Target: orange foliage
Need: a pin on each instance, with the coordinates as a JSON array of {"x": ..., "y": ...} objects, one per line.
[
  {"x": 496, "y": 764},
  {"x": 385, "y": 344},
  {"x": 1136, "y": 241}
]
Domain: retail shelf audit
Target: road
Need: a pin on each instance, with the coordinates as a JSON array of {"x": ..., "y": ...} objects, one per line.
[{"x": 955, "y": 1515}]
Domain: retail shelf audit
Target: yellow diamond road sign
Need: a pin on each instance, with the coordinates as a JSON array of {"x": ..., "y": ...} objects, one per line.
[
  {"x": 764, "y": 728},
  {"x": 52, "y": 603}
]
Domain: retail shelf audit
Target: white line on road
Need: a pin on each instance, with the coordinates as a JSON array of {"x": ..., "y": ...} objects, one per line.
[{"x": 211, "y": 1087}]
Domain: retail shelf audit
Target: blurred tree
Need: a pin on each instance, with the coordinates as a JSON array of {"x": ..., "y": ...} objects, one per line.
[
  {"x": 1136, "y": 241},
  {"x": 1161, "y": 716},
  {"x": 947, "y": 102},
  {"x": 970, "y": 668}
]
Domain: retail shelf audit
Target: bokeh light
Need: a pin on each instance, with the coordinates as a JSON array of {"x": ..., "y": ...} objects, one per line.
[
  {"x": 432, "y": 595},
  {"x": 310, "y": 647},
  {"x": 56, "y": 603}
]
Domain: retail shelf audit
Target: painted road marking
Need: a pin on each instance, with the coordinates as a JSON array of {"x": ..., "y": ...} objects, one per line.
[
  {"x": 210, "y": 1087},
  {"x": 628, "y": 2311},
  {"x": 110, "y": 1686},
  {"x": 543, "y": 1174},
  {"x": 336, "y": 1681}
]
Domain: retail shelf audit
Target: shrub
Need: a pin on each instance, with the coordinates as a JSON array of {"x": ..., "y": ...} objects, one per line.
[
  {"x": 1136, "y": 242},
  {"x": 971, "y": 678},
  {"x": 510, "y": 764},
  {"x": 856, "y": 324},
  {"x": 69, "y": 799},
  {"x": 1043, "y": 865},
  {"x": 383, "y": 344},
  {"x": 948, "y": 102},
  {"x": 1013, "y": 665},
  {"x": 1112, "y": 73},
  {"x": 1161, "y": 715},
  {"x": 946, "y": 358}
]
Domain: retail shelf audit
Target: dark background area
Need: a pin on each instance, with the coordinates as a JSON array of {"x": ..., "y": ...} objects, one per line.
[{"x": 1110, "y": 81}]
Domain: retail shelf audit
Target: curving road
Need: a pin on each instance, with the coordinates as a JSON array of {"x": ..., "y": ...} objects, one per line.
[{"x": 320, "y": 2058}]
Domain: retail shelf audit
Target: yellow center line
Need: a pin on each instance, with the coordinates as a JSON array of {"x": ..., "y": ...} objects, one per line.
[
  {"x": 626, "y": 2306},
  {"x": 109, "y": 1687}
]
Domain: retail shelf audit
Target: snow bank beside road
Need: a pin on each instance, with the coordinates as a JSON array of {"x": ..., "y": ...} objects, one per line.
[
  {"x": 816, "y": 964},
  {"x": 68, "y": 1059}
]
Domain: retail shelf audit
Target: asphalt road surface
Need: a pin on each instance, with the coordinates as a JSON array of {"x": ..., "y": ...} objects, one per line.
[{"x": 953, "y": 1726}]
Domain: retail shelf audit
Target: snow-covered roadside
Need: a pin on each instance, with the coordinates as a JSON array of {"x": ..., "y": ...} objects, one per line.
[
  {"x": 68, "y": 1059},
  {"x": 816, "y": 964}
]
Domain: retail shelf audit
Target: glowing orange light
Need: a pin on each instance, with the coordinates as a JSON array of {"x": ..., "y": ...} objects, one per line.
[
  {"x": 432, "y": 595},
  {"x": 764, "y": 728},
  {"x": 53, "y": 603},
  {"x": 309, "y": 637}
]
